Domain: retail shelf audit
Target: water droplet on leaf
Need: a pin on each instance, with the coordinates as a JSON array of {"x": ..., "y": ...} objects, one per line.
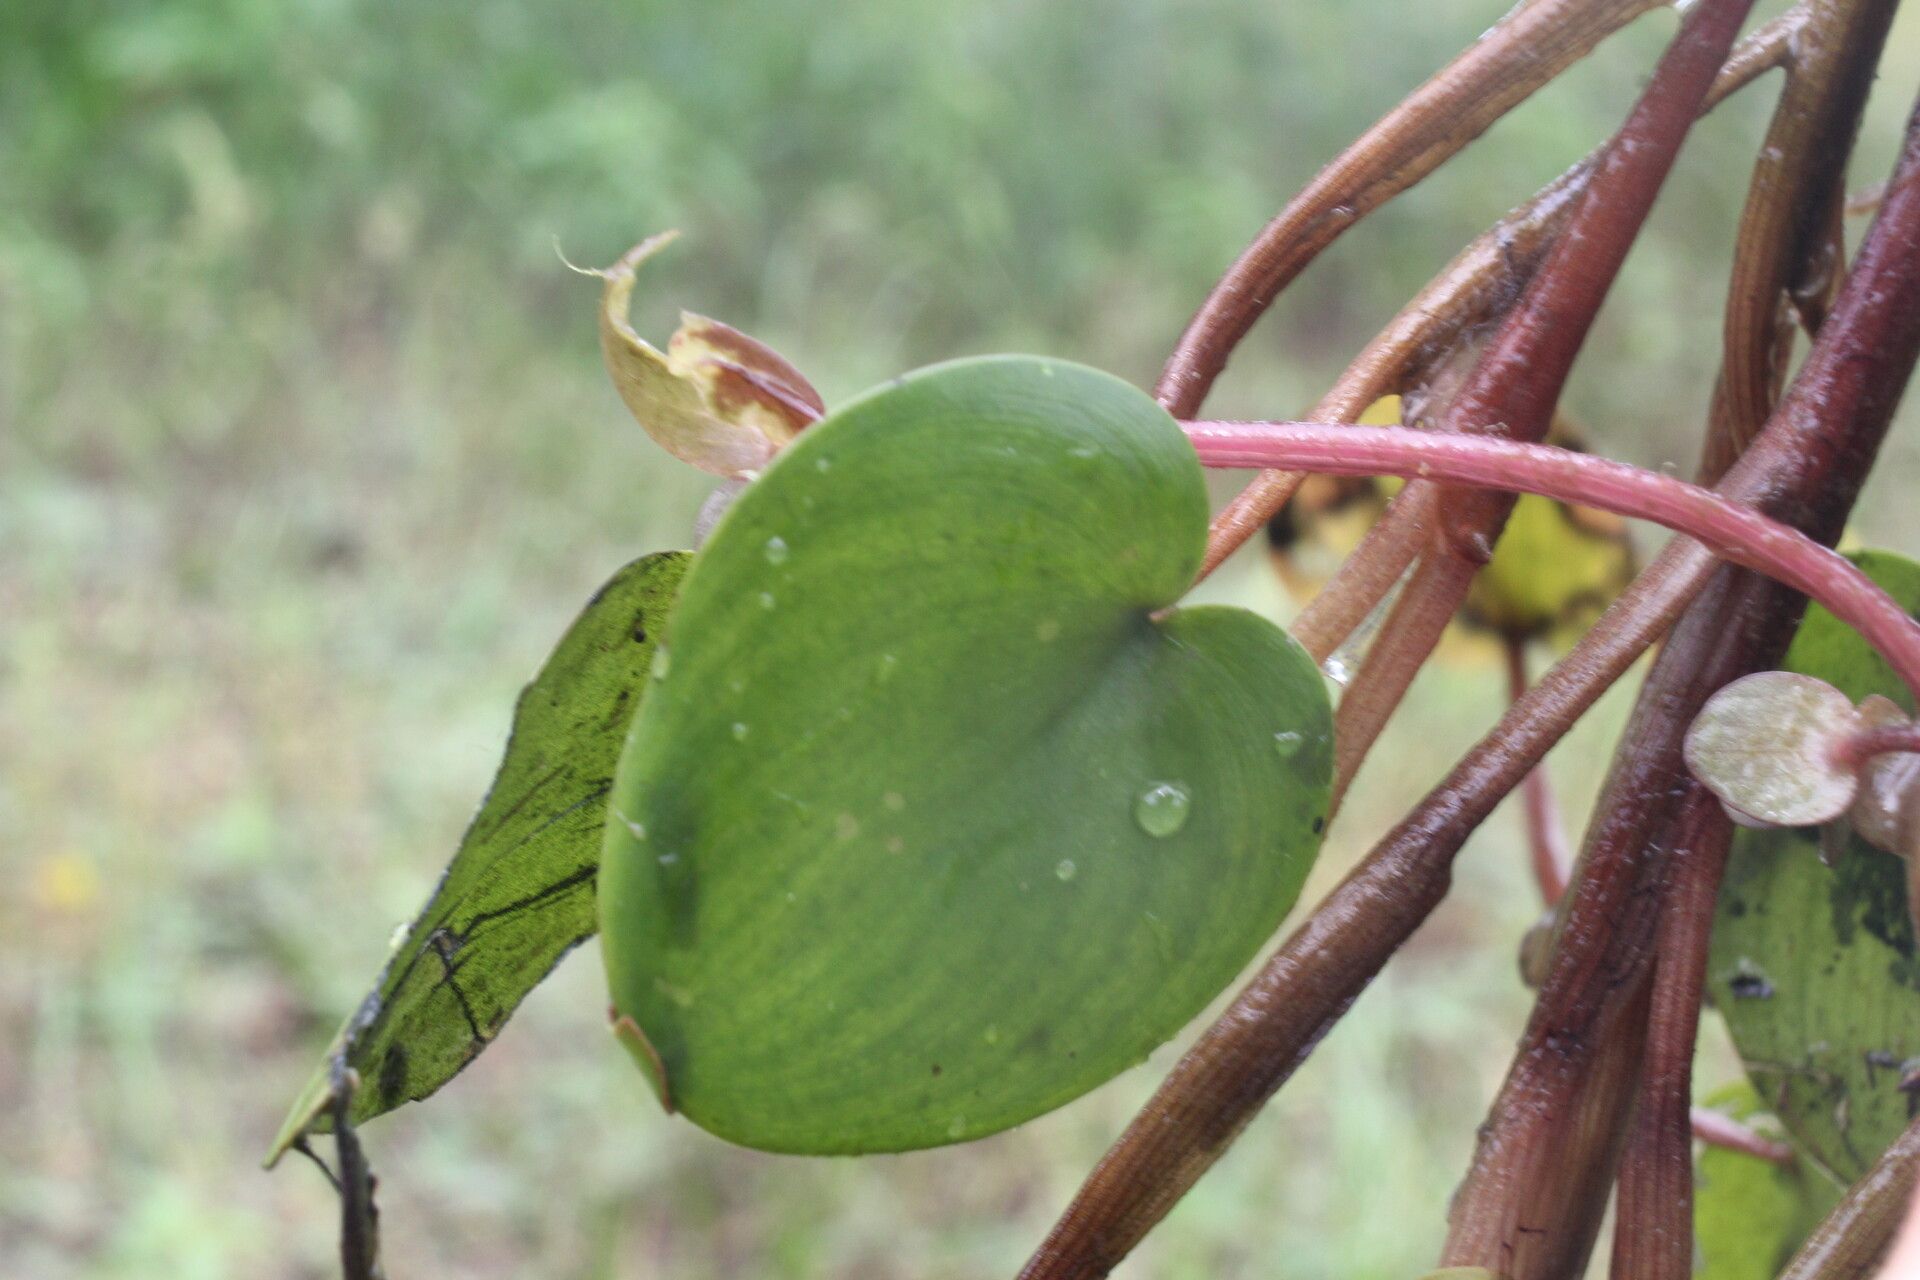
[
  {"x": 1162, "y": 808},
  {"x": 776, "y": 550},
  {"x": 1065, "y": 869}
]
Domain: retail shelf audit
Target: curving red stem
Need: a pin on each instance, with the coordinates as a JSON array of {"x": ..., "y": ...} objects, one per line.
[{"x": 1732, "y": 531}]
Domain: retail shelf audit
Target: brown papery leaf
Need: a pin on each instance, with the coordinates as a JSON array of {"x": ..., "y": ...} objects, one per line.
[{"x": 716, "y": 398}]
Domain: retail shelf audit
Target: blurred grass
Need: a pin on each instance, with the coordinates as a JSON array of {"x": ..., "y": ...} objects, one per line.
[{"x": 306, "y": 458}]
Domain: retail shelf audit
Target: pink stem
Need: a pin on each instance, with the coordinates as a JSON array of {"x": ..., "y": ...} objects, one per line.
[
  {"x": 1731, "y": 531},
  {"x": 1718, "y": 1129},
  {"x": 1878, "y": 740},
  {"x": 1546, "y": 837}
]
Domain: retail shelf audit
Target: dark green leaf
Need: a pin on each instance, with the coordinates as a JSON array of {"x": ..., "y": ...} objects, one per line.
[
  {"x": 1813, "y": 967},
  {"x": 930, "y": 825},
  {"x": 519, "y": 892}
]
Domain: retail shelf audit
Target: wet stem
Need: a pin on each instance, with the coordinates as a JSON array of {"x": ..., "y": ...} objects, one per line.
[
  {"x": 1730, "y": 530},
  {"x": 1531, "y": 1201}
]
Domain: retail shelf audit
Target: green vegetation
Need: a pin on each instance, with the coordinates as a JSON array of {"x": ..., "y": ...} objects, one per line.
[{"x": 843, "y": 921}]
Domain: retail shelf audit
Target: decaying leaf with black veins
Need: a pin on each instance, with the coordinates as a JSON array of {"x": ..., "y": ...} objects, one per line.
[{"x": 519, "y": 893}]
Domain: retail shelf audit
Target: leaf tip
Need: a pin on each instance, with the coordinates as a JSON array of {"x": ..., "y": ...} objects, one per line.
[{"x": 307, "y": 1108}]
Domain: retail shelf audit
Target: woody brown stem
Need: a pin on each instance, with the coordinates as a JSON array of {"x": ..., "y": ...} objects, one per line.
[
  {"x": 1812, "y": 455},
  {"x": 1515, "y": 383},
  {"x": 1547, "y": 852},
  {"x": 1786, "y": 246},
  {"x": 1852, "y": 1238},
  {"x": 1475, "y": 289},
  {"x": 1653, "y": 1238},
  {"x": 1525, "y": 51},
  {"x": 1824, "y": 434}
]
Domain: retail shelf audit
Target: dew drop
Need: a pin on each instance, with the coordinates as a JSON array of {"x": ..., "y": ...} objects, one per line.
[
  {"x": 896, "y": 845},
  {"x": 767, "y": 601},
  {"x": 637, "y": 830},
  {"x": 991, "y": 1035},
  {"x": 662, "y": 663},
  {"x": 1083, "y": 451},
  {"x": 894, "y": 801},
  {"x": 739, "y": 731},
  {"x": 1065, "y": 869},
  {"x": 1287, "y": 743},
  {"x": 668, "y": 859},
  {"x": 958, "y": 1127},
  {"x": 776, "y": 550},
  {"x": 846, "y": 826},
  {"x": 1162, "y": 808},
  {"x": 823, "y": 464},
  {"x": 1048, "y": 631},
  {"x": 889, "y": 663}
]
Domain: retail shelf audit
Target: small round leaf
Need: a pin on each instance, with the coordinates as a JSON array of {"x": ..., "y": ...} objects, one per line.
[{"x": 1765, "y": 745}]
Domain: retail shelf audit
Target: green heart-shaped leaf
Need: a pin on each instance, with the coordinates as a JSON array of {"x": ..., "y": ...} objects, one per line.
[
  {"x": 930, "y": 826},
  {"x": 1814, "y": 967},
  {"x": 519, "y": 892}
]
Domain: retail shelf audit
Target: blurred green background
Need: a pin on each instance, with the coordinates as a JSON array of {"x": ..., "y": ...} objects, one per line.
[{"x": 306, "y": 457}]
